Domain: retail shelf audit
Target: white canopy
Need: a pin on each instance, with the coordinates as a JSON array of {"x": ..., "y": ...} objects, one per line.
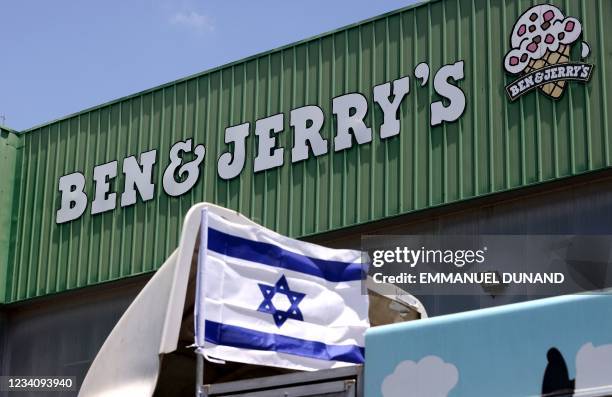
[{"x": 128, "y": 362}]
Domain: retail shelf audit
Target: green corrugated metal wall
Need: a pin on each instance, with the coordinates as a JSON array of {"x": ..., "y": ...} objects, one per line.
[
  {"x": 10, "y": 150},
  {"x": 495, "y": 146}
]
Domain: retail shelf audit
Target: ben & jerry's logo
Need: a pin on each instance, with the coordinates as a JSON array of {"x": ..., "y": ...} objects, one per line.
[{"x": 541, "y": 42}]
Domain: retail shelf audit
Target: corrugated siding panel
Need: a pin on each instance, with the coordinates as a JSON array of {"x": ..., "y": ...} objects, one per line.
[
  {"x": 10, "y": 152},
  {"x": 495, "y": 146}
]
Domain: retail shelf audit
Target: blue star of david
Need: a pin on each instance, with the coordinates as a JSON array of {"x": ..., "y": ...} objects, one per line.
[{"x": 281, "y": 287}]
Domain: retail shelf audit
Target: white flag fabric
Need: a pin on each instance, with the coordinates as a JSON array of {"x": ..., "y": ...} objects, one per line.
[{"x": 266, "y": 299}]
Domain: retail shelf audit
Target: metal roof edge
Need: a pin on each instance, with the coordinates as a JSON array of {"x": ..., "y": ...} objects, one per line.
[
  {"x": 418, "y": 3},
  {"x": 9, "y": 129}
]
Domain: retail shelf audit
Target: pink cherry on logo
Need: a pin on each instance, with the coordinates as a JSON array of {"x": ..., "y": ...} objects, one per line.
[
  {"x": 522, "y": 30},
  {"x": 532, "y": 47},
  {"x": 548, "y": 15},
  {"x": 569, "y": 26},
  {"x": 549, "y": 39},
  {"x": 514, "y": 61}
]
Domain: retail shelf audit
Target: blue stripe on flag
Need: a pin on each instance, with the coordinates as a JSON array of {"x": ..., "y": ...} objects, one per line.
[
  {"x": 272, "y": 255},
  {"x": 230, "y": 335}
]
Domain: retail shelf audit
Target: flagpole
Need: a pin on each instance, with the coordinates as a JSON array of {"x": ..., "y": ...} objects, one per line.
[
  {"x": 199, "y": 306},
  {"x": 200, "y": 376}
]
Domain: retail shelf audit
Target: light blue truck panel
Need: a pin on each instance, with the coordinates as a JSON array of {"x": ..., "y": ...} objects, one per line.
[{"x": 524, "y": 349}]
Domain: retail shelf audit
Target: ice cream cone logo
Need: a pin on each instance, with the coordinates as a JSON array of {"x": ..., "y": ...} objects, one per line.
[{"x": 540, "y": 43}]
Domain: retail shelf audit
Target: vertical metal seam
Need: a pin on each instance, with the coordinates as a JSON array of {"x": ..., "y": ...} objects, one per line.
[
  {"x": 196, "y": 139},
  {"x": 253, "y": 145},
  {"x": 303, "y": 165},
  {"x": 145, "y": 266},
  {"x": 373, "y": 146},
  {"x": 72, "y": 224},
  {"x": 603, "y": 75},
  {"x": 36, "y": 208},
  {"x": 18, "y": 254},
  {"x": 101, "y": 244},
  {"x": 91, "y": 221},
  {"x": 330, "y": 191},
  {"x": 358, "y": 167},
  {"x": 216, "y": 133},
  {"x": 36, "y": 270},
  {"x": 555, "y": 140},
  {"x": 33, "y": 272},
  {"x": 587, "y": 108},
  {"x": 134, "y": 223},
  {"x": 230, "y": 116},
  {"x": 22, "y": 261},
  {"x": 538, "y": 131},
  {"x": 184, "y": 138},
  {"x": 264, "y": 215},
  {"x": 430, "y": 170},
  {"x": 113, "y": 218},
  {"x": 42, "y": 288},
  {"x": 279, "y": 172},
  {"x": 318, "y": 163},
  {"x": 402, "y": 112},
  {"x": 113, "y": 229},
  {"x": 474, "y": 105},
  {"x": 343, "y": 177},
  {"x": 415, "y": 129},
  {"x": 122, "y": 256},
  {"x": 168, "y": 206},
  {"x": 444, "y": 166},
  {"x": 171, "y": 142},
  {"x": 522, "y": 126},
  {"x": 48, "y": 206},
  {"x": 292, "y": 106},
  {"x": 460, "y": 168},
  {"x": 54, "y": 230},
  {"x": 507, "y": 170},
  {"x": 385, "y": 143},
  {"x": 571, "y": 121},
  {"x": 243, "y": 99},
  {"x": 489, "y": 90},
  {"x": 159, "y": 177},
  {"x": 264, "y": 204},
  {"x": 207, "y": 137}
]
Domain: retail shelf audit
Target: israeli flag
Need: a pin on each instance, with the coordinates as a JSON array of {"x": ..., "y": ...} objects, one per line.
[{"x": 266, "y": 299}]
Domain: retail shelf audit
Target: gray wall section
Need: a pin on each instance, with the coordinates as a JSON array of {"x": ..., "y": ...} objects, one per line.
[
  {"x": 60, "y": 335},
  {"x": 583, "y": 206}
]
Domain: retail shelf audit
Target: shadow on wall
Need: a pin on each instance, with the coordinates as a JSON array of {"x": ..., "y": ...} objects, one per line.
[{"x": 61, "y": 335}]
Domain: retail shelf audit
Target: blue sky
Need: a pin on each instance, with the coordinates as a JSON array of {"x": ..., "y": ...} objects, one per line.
[{"x": 60, "y": 56}]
